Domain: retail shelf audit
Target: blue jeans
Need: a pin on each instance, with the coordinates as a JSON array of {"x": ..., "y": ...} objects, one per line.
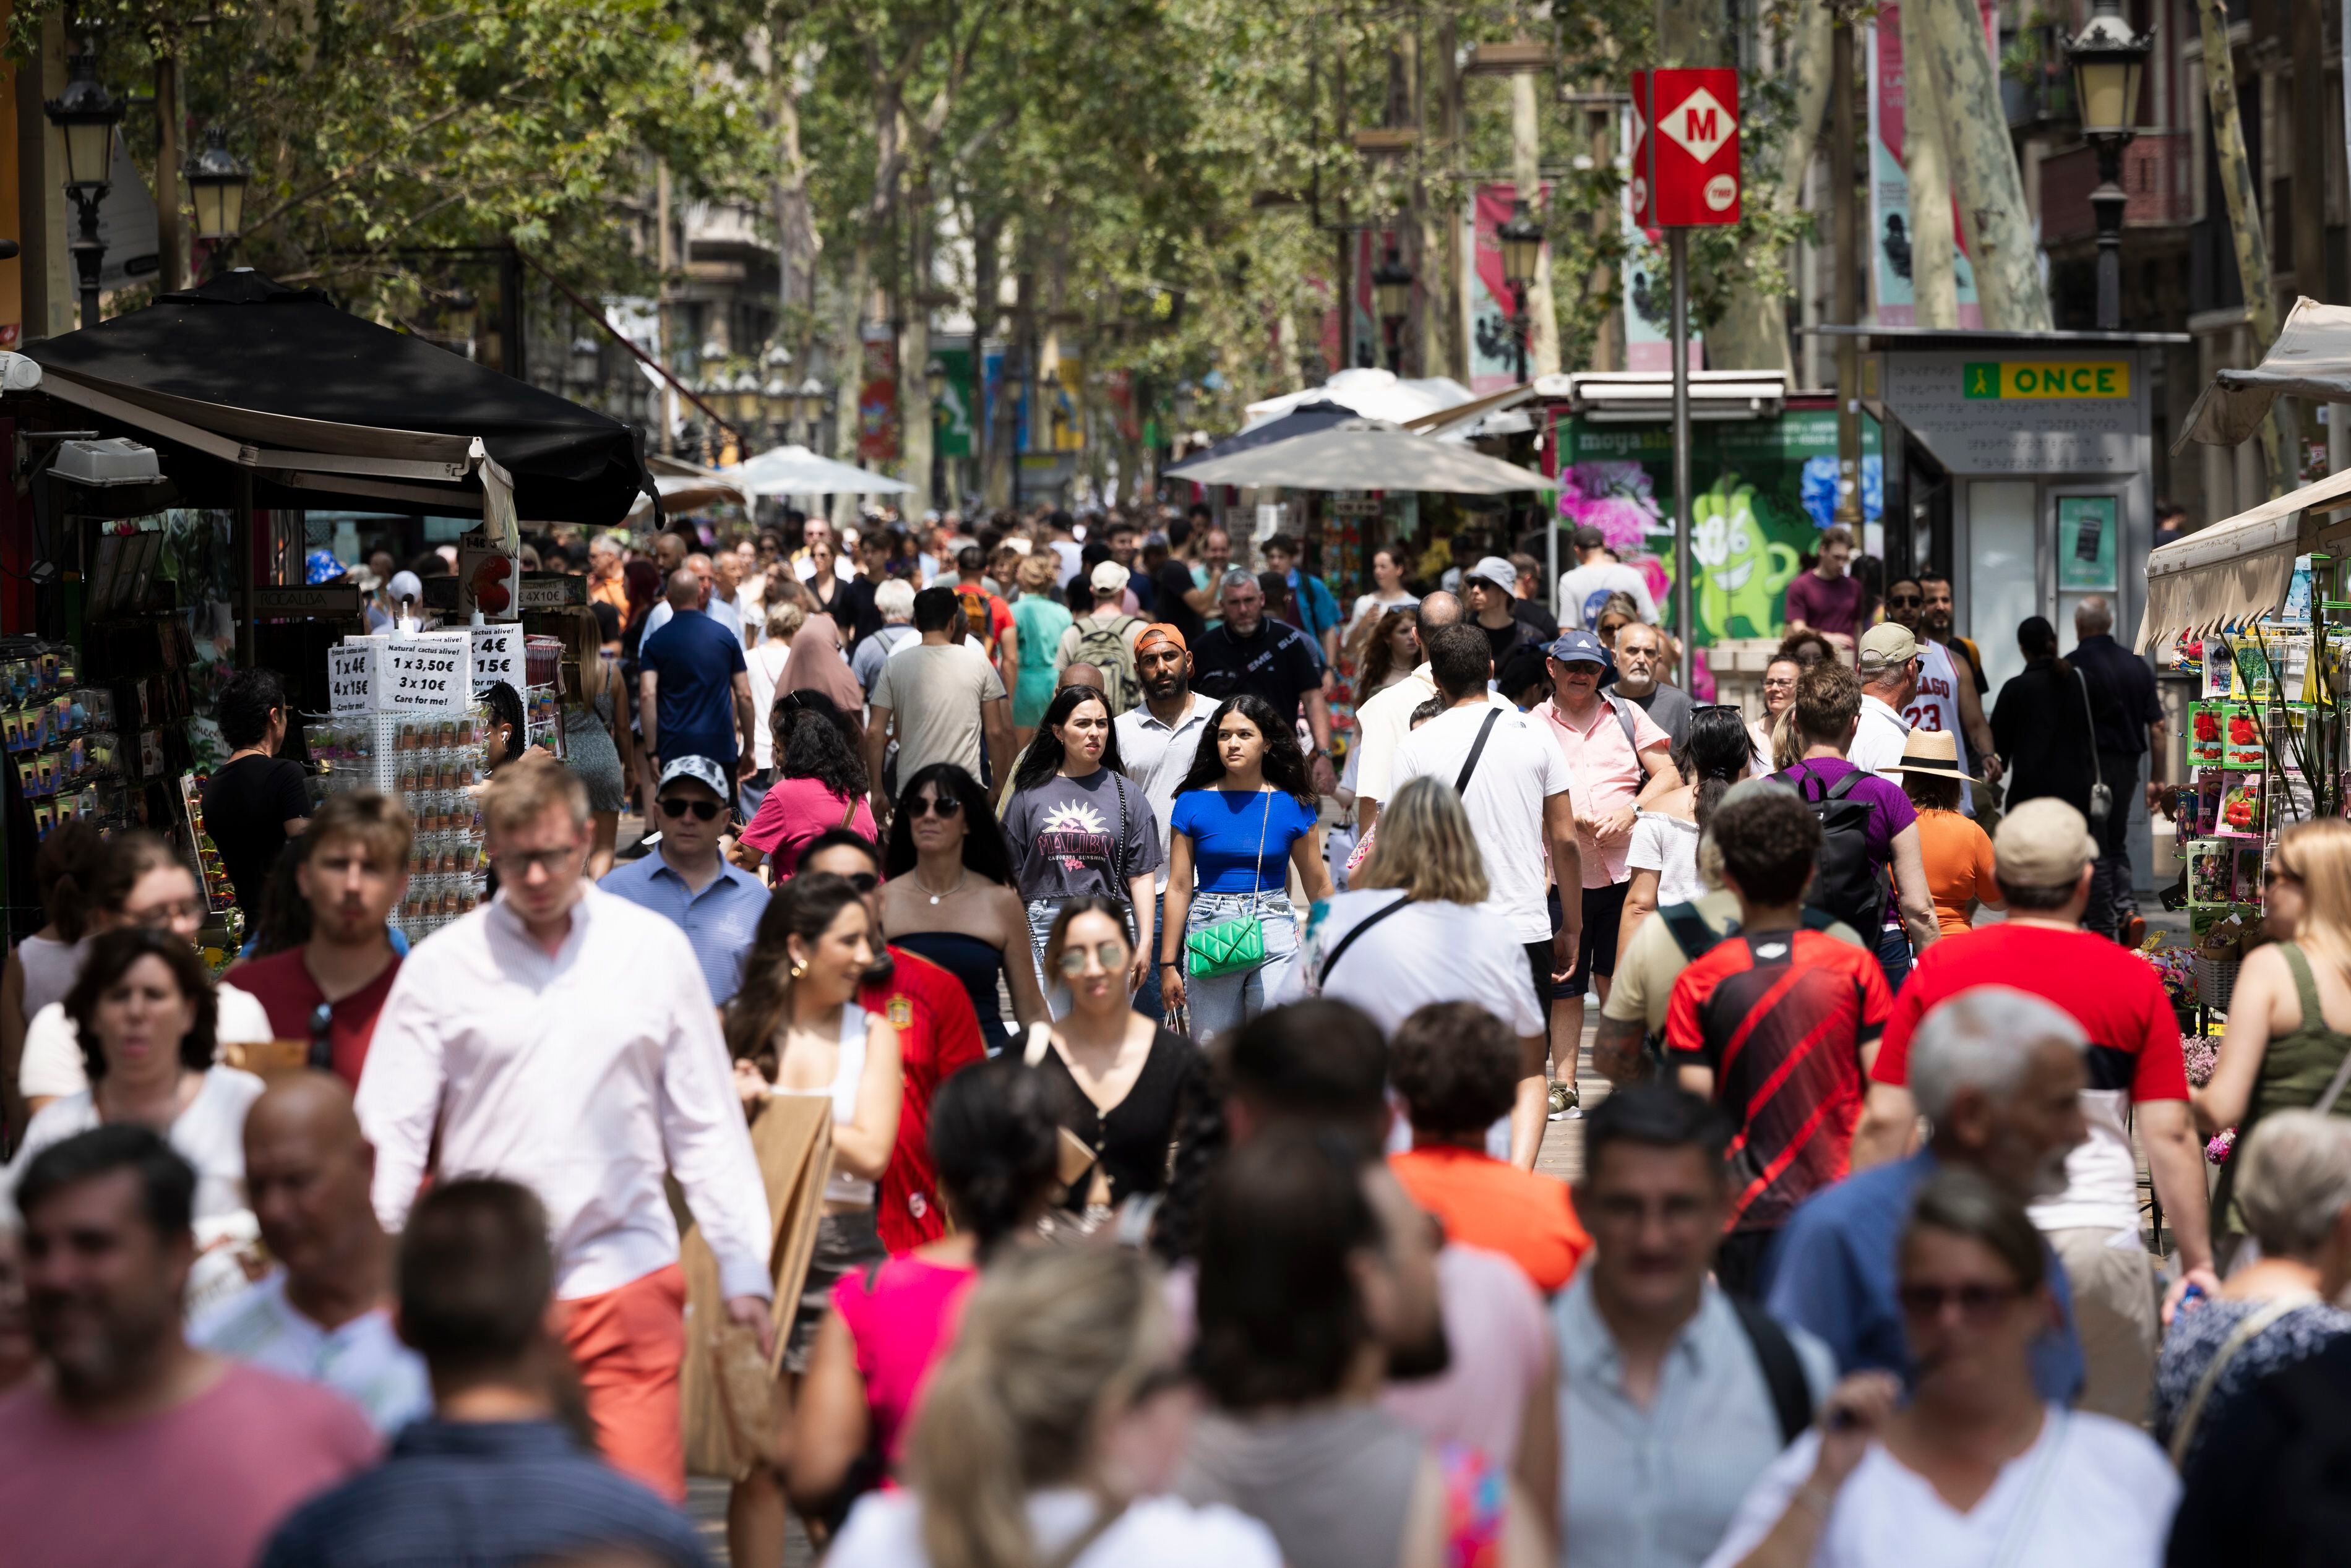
[
  {"x": 1894, "y": 957},
  {"x": 1148, "y": 1001},
  {"x": 1221, "y": 1002}
]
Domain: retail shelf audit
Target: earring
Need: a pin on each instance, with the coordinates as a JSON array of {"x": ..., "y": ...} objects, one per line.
[{"x": 800, "y": 967}]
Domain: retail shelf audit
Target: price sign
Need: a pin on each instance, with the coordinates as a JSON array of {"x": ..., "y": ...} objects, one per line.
[
  {"x": 498, "y": 655},
  {"x": 433, "y": 670},
  {"x": 350, "y": 676}
]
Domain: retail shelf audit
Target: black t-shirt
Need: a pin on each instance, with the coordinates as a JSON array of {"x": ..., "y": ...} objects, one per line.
[
  {"x": 853, "y": 611},
  {"x": 1169, "y": 585},
  {"x": 1506, "y": 637},
  {"x": 1534, "y": 615},
  {"x": 247, "y": 804},
  {"x": 1277, "y": 663}
]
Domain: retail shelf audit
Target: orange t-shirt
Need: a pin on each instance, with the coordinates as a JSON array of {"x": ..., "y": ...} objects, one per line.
[
  {"x": 1488, "y": 1203},
  {"x": 1958, "y": 866}
]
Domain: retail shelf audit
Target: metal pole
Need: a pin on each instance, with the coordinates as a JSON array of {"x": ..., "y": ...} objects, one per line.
[
  {"x": 2106, "y": 203},
  {"x": 1844, "y": 230},
  {"x": 1551, "y": 526},
  {"x": 241, "y": 534},
  {"x": 88, "y": 253},
  {"x": 1678, "y": 246}
]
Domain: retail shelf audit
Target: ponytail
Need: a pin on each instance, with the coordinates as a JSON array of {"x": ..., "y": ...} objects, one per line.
[{"x": 1714, "y": 756}]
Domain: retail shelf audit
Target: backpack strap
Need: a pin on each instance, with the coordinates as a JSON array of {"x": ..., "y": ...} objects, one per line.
[
  {"x": 1461, "y": 784},
  {"x": 1692, "y": 933},
  {"x": 1845, "y": 786},
  {"x": 1624, "y": 712},
  {"x": 1348, "y": 941},
  {"x": 1783, "y": 1374},
  {"x": 1816, "y": 919}
]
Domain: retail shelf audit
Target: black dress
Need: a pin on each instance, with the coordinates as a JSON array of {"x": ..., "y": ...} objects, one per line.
[
  {"x": 1130, "y": 1141},
  {"x": 2042, "y": 725}
]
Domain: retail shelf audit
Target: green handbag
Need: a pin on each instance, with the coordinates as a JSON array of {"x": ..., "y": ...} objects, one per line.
[{"x": 1237, "y": 945}]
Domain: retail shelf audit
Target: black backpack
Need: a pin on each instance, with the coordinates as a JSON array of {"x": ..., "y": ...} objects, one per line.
[{"x": 1846, "y": 883}]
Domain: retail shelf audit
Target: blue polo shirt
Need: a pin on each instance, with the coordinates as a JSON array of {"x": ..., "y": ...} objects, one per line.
[
  {"x": 718, "y": 922},
  {"x": 694, "y": 661},
  {"x": 1832, "y": 1272}
]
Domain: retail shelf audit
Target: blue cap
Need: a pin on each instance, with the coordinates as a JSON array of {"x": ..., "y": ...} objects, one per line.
[
  {"x": 1583, "y": 648},
  {"x": 320, "y": 566}
]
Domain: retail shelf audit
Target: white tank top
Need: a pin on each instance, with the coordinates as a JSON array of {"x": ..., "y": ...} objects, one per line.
[
  {"x": 848, "y": 1068},
  {"x": 1936, "y": 706}
]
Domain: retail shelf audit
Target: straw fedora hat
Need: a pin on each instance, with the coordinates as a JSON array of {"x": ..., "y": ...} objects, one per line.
[{"x": 1932, "y": 754}]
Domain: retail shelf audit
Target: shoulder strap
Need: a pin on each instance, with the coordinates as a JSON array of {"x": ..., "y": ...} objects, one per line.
[
  {"x": 1461, "y": 784},
  {"x": 1624, "y": 712},
  {"x": 2306, "y": 984},
  {"x": 849, "y": 814},
  {"x": 2082, "y": 683},
  {"x": 1845, "y": 786},
  {"x": 1348, "y": 941},
  {"x": 1692, "y": 933},
  {"x": 2192, "y": 1412},
  {"x": 1784, "y": 1375}
]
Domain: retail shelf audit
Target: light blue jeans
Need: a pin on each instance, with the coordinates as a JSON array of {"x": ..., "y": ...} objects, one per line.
[{"x": 1222, "y": 1002}]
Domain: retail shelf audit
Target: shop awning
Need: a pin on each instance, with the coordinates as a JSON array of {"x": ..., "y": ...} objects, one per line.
[
  {"x": 2240, "y": 568},
  {"x": 325, "y": 409},
  {"x": 1304, "y": 420},
  {"x": 2312, "y": 359},
  {"x": 1368, "y": 454},
  {"x": 1372, "y": 393},
  {"x": 797, "y": 471}
]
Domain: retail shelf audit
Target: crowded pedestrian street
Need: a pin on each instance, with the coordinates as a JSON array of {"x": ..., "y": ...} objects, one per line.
[{"x": 911, "y": 785}]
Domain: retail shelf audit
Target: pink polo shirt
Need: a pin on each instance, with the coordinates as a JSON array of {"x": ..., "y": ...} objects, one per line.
[{"x": 1607, "y": 777}]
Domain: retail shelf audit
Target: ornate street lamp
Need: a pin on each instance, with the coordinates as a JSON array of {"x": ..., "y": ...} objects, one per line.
[
  {"x": 2108, "y": 60},
  {"x": 586, "y": 362},
  {"x": 1521, "y": 240},
  {"x": 459, "y": 312},
  {"x": 88, "y": 115},
  {"x": 776, "y": 399},
  {"x": 1391, "y": 290},
  {"x": 935, "y": 381},
  {"x": 812, "y": 396},
  {"x": 216, "y": 186}
]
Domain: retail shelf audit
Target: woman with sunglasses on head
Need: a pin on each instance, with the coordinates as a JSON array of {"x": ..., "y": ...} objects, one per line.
[
  {"x": 1243, "y": 816},
  {"x": 820, "y": 783},
  {"x": 1078, "y": 827},
  {"x": 950, "y": 897},
  {"x": 1664, "y": 855},
  {"x": 1975, "y": 1467}
]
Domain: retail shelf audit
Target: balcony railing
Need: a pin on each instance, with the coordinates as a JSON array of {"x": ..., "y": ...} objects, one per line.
[{"x": 2157, "y": 175}]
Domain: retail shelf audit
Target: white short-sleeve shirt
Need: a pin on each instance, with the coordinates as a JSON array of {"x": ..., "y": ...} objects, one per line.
[
  {"x": 1519, "y": 769},
  {"x": 52, "y": 1067}
]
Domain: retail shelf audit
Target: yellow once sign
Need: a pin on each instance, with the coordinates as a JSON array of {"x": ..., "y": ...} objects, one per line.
[{"x": 2045, "y": 379}]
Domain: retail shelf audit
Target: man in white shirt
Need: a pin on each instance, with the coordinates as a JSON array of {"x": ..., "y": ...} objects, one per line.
[
  {"x": 1514, "y": 786},
  {"x": 323, "y": 1313},
  {"x": 1583, "y": 590},
  {"x": 564, "y": 1038},
  {"x": 940, "y": 699},
  {"x": 1383, "y": 719},
  {"x": 1157, "y": 740},
  {"x": 1888, "y": 668}
]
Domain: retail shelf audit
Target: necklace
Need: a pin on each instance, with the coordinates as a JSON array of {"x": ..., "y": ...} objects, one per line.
[{"x": 949, "y": 893}]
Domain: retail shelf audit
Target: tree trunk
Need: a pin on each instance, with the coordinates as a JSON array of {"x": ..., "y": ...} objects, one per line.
[
  {"x": 2244, "y": 216},
  {"x": 987, "y": 242},
  {"x": 1526, "y": 175},
  {"x": 1752, "y": 332},
  {"x": 1983, "y": 169},
  {"x": 915, "y": 433},
  {"x": 849, "y": 333},
  {"x": 797, "y": 241},
  {"x": 1934, "y": 271}
]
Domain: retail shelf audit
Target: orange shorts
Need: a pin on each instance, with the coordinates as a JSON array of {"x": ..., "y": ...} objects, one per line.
[{"x": 628, "y": 1346}]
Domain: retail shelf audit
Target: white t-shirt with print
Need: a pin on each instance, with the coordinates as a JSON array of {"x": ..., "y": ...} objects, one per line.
[
  {"x": 1519, "y": 770},
  {"x": 885, "y": 1531}
]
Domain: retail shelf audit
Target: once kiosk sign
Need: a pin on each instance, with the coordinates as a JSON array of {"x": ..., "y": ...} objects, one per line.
[
  {"x": 2047, "y": 379},
  {"x": 2036, "y": 416}
]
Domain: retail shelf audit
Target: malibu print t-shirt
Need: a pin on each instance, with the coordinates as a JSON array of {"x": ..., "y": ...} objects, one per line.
[{"x": 1071, "y": 837}]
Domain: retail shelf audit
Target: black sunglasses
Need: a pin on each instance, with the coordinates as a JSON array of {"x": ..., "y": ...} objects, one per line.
[
  {"x": 942, "y": 806},
  {"x": 678, "y": 806},
  {"x": 1904, "y": 599},
  {"x": 864, "y": 882}
]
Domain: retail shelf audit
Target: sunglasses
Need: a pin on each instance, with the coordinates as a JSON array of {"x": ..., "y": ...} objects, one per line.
[
  {"x": 939, "y": 806},
  {"x": 1904, "y": 599},
  {"x": 1978, "y": 1302},
  {"x": 1111, "y": 956},
  {"x": 678, "y": 806},
  {"x": 863, "y": 882}
]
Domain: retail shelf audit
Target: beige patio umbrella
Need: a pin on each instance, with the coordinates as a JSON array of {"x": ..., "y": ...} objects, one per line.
[{"x": 1365, "y": 455}]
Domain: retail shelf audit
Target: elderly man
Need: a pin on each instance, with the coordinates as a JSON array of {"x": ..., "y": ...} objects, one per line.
[
  {"x": 813, "y": 530},
  {"x": 709, "y": 601},
  {"x": 322, "y": 1314},
  {"x": 2000, "y": 1074},
  {"x": 1255, "y": 655},
  {"x": 1640, "y": 664},
  {"x": 1888, "y": 668},
  {"x": 606, "y": 584},
  {"x": 2129, "y": 726},
  {"x": 1383, "y": 722},
  {"x": 893, "y": 602}
]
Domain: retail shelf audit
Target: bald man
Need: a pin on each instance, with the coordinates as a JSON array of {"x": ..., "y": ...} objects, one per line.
[
  {"x": 2129, "y": 723},
  {"x": 323, "y": 1313},
  {"x": 1383, "y": 719},
  {"x": 695, "y": 687}
]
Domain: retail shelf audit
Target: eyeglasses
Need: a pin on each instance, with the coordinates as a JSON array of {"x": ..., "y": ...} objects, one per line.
[
  {"x": 1111, "y": 956},
  {"x": 678, "y": 806},
  {"x": 1979, "y": 1301},
  {"x": 940, "y": 806},
  {"x": 520, "y": 862},
  {"x": 162, "y": 915},
  {"x": 1904, "y": 600}
]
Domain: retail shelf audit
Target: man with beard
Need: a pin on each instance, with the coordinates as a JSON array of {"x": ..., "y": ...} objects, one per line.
[
  {"x": 2000, "y": 1074},
  {"x": 1158, "y": 740},
  {"x": 1251, "y": 654},
  {"x": 2043, "y": 858},
  {"x": 136, "y": 1447},
  {"x": 1949, "y": 695},
  {"x": 353, "y": 874}
]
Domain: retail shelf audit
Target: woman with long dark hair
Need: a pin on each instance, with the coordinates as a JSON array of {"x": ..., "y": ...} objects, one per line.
[
  {"x": 1390, "y": 655},
  {"x": 820, "y": 783},
  {"x": 950, "y": 898},
  {"x": 1663, "y": 856},
  {"x": 1077, "y": 827},
  {"x": 2041, "y": 727},
  {"x": 1244, "y": 814}
]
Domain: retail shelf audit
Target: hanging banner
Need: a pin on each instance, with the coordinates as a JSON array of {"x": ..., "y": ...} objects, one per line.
[
  {"x": 1647, "y": 285},
  {"x": 1493, "y": 340},
  {"x": 1065, "y": 403},
  {"x": 877, "y": 396},
  {"x": 957, "y": 409},
  {"x": 1365, "y": 339},
  {"x": 1890, "y": 227}
]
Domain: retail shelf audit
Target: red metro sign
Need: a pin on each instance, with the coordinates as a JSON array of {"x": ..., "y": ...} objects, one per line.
[{"x": 1685, "y": 148}]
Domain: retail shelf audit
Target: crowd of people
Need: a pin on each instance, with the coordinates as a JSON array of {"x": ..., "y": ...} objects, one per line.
[{"x": 1186, "y": 1097}]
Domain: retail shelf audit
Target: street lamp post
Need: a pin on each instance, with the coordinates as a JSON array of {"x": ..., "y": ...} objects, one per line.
[
  {"x": 217, "y": 185},
  {"x": 2108, "y": 60},
  {"x": 1521, "y": 240},
  {"x": 935, "y": 382},
  {"x": 88, "y": 115},
  {"x": 1392, "y": 289}
]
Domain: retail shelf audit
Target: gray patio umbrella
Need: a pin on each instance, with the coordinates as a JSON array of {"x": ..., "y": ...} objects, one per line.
[{"x": 1366, "y": 455}]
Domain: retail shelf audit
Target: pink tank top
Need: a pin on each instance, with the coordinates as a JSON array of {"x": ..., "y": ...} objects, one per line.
[{"x": 901, "y": 1324}]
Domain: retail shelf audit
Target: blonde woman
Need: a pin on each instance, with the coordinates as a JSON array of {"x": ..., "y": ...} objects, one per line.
[
  {"x": 2290, "y": 1018},
  {"x": 1409, "y": 932},
  {"x": 1048, "y": 1431}
]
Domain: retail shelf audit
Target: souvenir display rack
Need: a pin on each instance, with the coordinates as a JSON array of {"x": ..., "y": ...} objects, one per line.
[{"x": 433, "y": 760}]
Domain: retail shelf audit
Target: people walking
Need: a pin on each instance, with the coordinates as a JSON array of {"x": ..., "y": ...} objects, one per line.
[
  {"x": 1383, "y": 719},
  {"x": 688, "y": 883},
  {"x": 1640, "y": 650},
  {"x": 2128, "y": 726},
  {"x": 941, "y": 701},
  {"x": 566, "y": 1039},
  {"x": 1038, "y": 622},
  {"x": 1584, "y": 587},
  {"x": 820, "y": 783},
  {"x": 893, "y": 609},
  {"x": 597, "y": 722},
  {"x": 1778, "y": 687},
  {"x": 1663, "y": 858},
  {"x": 1949, "y": 697},
  {"x": 1158, "y": 739},
  {"x": 1961, "y": 877},
  {"x": 1244, "y": 815},
  {"x": 1887, "y": 667},
  {"x": 951, "y": 898},
  {"x": 1318, "y": 612},
  {"x": 766, "y": 663},
  {"x": 1252, "y": 654},
  {"x": 1105, "y": 636},
  {"x": 1828, "y": 599},
  {"x": 1078, "y": 827},
  {"x": 254, "y": 802},
  {"x": 2043, "y": 725},
  {"x": 1387, "y": 596},
  {"x": 1491, "y": 589},
  {"x": 696, "y": 700}
]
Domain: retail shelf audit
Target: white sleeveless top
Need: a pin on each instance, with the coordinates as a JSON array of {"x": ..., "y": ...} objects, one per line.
[
  {"x": 1936, "y": 706},
  {"x": 841, "y": 1187}
]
